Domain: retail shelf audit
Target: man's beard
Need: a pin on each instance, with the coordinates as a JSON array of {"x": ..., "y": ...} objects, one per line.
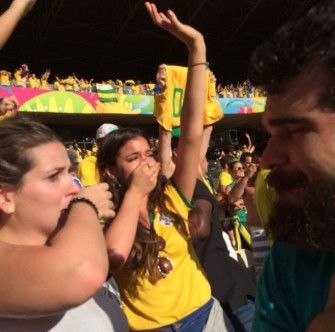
[{"x": 304, "y": 213}]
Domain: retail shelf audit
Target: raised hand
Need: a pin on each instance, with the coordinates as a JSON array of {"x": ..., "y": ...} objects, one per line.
[
  {"x": 26, "y": 5},
  {"x": 144, "y": 178},
  {"x": 192, "y": 114},
  {"x": 170, "y": 22},
  {"x": 10, "y": 18}
]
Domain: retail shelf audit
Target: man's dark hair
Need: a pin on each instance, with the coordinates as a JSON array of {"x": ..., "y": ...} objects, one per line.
[{"x": 298, "y": 45}]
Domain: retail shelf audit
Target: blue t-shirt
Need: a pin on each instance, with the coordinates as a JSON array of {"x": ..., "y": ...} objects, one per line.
[{"x": 293, "y": 288}]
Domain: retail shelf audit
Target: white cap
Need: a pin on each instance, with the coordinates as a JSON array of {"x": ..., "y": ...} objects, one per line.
[{"x": 105, "y": 129}]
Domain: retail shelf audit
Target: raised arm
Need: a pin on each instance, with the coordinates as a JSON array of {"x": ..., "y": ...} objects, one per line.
[
  {"x": 242, "y": 187},
  {"x": 164, "y": 153},
  {"x": 194, "y": 101},
  {"x": 10, "y": 18},
  {"x": 37, "y": 279},
  {"x": 120, "y": 235},
  {"x": 250, "y": 146}
]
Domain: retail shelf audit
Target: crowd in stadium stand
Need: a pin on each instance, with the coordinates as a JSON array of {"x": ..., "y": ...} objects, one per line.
[
  {"x": 240, "y": 90},
  {"x": 22, "y": 77}
]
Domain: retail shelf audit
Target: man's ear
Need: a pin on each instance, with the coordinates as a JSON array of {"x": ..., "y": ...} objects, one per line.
[{"x": 7, "y": 201}]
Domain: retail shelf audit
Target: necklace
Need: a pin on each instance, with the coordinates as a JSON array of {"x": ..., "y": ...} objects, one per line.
[{"x": 164, "y": 264}]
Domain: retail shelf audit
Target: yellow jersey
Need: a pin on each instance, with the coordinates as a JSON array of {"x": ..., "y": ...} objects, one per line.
[
  {"x": 87, "y": 171},
  {"x": 4, "y": 79},
  {"x": 264, "y": 196},
  {"x": 18, "y": 78},
  {"x": 225, "y": 179},
  {"x": 183, "y": 290}
]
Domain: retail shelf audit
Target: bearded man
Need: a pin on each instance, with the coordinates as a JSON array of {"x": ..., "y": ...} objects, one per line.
[{"x": 296, "y": 68}]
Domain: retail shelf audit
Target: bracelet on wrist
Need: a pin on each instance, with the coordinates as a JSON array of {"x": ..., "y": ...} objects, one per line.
[
  {"x": 206, "y": 63},
  {"x": 85, "y": 200}
]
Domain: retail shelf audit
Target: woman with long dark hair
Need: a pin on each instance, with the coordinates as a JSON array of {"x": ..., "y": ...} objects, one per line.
[{"x": 161, "y": 282}]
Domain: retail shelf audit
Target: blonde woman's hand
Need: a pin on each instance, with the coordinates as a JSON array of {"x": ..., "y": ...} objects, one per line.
[
  {"x": 170, "y": 22},
  {"x": 144, "y": 178},
  {"x": 101, "y": 197}
]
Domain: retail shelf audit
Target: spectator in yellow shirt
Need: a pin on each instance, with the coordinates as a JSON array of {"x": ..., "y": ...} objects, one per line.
[
  {"x": 225, "y": 179},
  {"x": 44, "y": 79},
  {"x": 87, "y": 170},
  {"x": 18, "y": 78},
  {"x": 5, "y": 77},
  {"x": 58, "y": 85},
  {"x": 33, "y": 81}
]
